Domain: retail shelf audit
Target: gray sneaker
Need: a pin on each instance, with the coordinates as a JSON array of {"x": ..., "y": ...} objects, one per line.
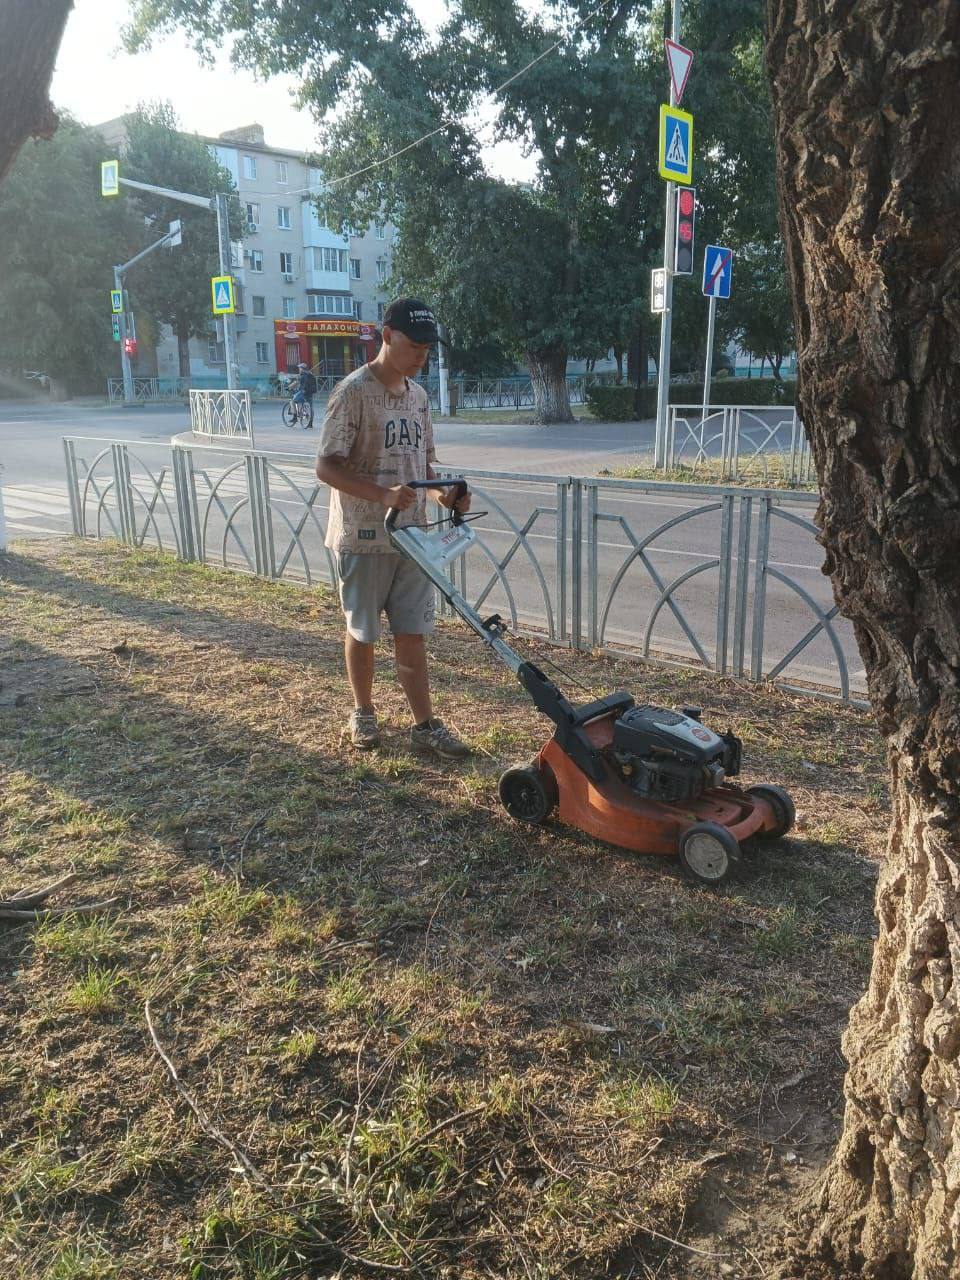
[
  {"x": 438, "y": 740},
  {"x": 363, "y": 729}
]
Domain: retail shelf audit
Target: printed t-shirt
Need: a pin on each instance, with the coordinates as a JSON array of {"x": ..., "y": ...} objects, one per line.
[{"x": 383, "y": 437}]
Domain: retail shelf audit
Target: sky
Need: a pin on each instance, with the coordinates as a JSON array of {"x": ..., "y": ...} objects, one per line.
[{"x": 95, "y": 80}]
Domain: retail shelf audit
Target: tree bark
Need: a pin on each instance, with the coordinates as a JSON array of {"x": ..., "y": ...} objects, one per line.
[
  {"x": 867, "y": 112},
  {"x": 183, "y": 350},
  {"x": 548, "y": 373},
  {"x": 30, "y": 35}
]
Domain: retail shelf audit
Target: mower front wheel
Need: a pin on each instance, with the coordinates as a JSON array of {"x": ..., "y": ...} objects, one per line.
[
  {"x": 706, "y": 851},
  {"x": 783, "y": 808},
  {"x": 525, "y": 795}
]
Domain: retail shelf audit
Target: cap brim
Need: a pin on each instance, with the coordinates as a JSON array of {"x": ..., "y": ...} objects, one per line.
[{"x": 422, "y": 333}]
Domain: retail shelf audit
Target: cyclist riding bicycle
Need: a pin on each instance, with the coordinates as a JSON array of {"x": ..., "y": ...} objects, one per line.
[{"x": 306, "y": 389}]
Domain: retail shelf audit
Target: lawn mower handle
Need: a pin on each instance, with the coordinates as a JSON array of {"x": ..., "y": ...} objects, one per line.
[{"x": 457, "y": 518}]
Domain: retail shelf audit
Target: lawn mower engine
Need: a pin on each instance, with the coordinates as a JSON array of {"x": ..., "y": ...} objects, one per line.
[{"x": 670, "y": 756}]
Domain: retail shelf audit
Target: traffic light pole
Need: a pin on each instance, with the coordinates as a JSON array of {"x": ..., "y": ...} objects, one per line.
[
  {"x": 217, "y": 205},
  {"x": 663, "y": 364},
  {"x": 118, "y": 273}
]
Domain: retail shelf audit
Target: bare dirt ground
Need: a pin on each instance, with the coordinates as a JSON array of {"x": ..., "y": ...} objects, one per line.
[{"x": 422, "y": 1040}]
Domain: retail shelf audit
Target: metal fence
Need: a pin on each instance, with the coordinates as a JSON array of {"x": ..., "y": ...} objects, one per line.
[
  {"x": 221, "y": 413},
  {"x": 704, "y": 576},
  {"x": 471, "y": 393},
  {"x": 740, "y": 441}
]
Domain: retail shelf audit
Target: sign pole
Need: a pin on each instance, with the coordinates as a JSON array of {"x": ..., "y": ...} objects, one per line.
[
  {"x": 708, "y": 367},
  {"x": 663, "y": 364},
  {"x": 124, "y": 358},
  {"x": 229, "y": 321},
  {"x": 442, "y": 370}
]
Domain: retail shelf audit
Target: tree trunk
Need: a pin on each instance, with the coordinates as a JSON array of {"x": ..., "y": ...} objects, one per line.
[
  {"x": 618, "y": 356},
  {"x": 867, "y": 110},
  {"x": 30, "y": 34},
  {"x": 548, "y": 373},
  {"x": 183, "y": 350}
]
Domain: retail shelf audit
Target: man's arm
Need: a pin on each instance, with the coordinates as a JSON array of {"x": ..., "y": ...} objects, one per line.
[{"x": 333, "y": 471}]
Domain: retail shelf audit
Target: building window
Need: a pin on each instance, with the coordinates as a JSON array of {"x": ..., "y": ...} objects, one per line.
[
  {"x": 286, "y": 263},
  {"x": 238, "y": 297},
  {"x": 354, "y": 268},
  {"x": 259, "y": 304},
  {"x": 282, "y": 171},
  {"x": 331, "y": 304},
  {"x": 215, "y": 353},
  {"x": 381, "y": 269},
  {"x": 263, "y": 353},
  {"x": 283, "y": 217},
  {"x": 253, "y": 214},
  {"x": 357, "y": 310},
  {"x": 381, "y": 231},
  {"x": 250, "y": 166},
  {"x": 330, "y": 260},
  {"x": 289, "y": 306},
  {"x": 380, "y": 313},
  {"x": 256, "y": 259}
]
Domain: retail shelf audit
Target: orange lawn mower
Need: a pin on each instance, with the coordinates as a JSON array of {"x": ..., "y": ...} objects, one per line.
[{"x": 641, "y": 777}]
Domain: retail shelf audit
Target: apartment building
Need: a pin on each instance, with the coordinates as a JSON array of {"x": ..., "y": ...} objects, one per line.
[{"x": 305, "y": 291}]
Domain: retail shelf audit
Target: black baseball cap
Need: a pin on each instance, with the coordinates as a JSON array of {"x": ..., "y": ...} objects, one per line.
[{"x": 412, "y": 317}]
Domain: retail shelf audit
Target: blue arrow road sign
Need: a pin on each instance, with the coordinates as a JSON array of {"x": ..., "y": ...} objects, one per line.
[{"x": 717, "y": 271}]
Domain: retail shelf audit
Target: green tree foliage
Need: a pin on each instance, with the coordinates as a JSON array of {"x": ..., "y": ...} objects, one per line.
[
  {"x": 556, "y": 268},
  {"x": 60, "y": 241},
  {"x": 173, "y": 286},
  {"x": 760, "y": 311}
]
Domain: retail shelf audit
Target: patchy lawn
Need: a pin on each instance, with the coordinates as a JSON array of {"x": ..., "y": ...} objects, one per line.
[{"x": 423, "y": 1040}]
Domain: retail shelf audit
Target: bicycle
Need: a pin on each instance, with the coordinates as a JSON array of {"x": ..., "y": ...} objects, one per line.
[{"x": 297, "y": 414}]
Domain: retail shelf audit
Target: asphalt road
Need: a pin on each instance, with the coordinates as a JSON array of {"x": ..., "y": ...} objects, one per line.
[{"x": 36, "y": 505}]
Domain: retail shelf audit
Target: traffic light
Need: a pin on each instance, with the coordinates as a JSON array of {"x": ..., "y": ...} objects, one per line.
[
  {"x": 130, "y": 347},
  {"x": 686, "y": 213}
]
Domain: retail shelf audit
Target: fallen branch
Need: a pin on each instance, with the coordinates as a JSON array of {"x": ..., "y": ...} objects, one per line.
[
  {"x": 44, "y": 913},
  {"x": 30, "y": 904}
]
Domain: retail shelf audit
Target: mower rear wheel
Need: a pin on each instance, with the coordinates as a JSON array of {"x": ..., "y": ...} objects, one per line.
[
  {"x": 706, "y": 851},
  {"x": 783, "y": 810},
  {"x": 525, "y": 795}
]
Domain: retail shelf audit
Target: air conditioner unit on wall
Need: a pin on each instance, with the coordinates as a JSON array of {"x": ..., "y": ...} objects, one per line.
[
  {"x": 288, "y": 277},
  {"x": 253, "y": 228}
]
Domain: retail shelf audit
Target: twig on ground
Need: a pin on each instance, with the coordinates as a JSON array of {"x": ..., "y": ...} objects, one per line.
[
  {"x": 30, "y": 904},
  {"x": 424, "y": 1137}
]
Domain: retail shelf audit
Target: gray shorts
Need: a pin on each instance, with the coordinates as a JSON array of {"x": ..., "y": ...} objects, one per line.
[{"x": 373, "y": 582}]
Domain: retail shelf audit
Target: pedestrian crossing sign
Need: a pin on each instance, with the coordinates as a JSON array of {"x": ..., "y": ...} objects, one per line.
[
  {"x": 676, "y": 144},
  {"x": 224, "y": 297}
]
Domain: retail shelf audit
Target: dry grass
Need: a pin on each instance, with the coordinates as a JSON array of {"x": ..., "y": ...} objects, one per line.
[
  {"x": 450, "y": 1046},
  {"x": 767, "y": 471}
]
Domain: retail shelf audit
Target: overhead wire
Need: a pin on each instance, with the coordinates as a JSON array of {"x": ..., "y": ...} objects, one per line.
[{"x": 445, "y": 123}]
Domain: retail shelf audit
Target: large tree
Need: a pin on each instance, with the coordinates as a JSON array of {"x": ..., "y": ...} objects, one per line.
[
  {"x": 174, "y": 287},
  {"x": 60, "y": 241},
  {"x": 556, "y": 268},
  {"x": 30, "y": 35},
  {"x": 867, "y": 107}
]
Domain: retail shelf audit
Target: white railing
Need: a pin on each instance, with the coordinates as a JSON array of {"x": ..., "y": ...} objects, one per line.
[
  {"x": 221, "y": 413},
  {"x": 738, "y": 442}
]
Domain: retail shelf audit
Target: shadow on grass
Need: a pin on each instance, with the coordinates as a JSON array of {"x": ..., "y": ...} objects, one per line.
[{"x": 332, "y": 936}]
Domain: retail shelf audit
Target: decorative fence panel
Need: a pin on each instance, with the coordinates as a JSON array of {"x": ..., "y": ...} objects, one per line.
[{"x": 706, "y": 576}]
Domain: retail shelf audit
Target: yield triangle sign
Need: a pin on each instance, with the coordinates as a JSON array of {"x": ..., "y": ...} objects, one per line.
[{"x": 679, "y": 61}]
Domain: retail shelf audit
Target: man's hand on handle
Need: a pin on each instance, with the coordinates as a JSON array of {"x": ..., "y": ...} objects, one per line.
[
  {"x": 400, "y": 496},
  {"x": 448, "y": 498}
]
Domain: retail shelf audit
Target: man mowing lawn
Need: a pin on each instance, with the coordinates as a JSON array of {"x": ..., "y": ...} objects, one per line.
[{"x": 376, "y": 437}]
